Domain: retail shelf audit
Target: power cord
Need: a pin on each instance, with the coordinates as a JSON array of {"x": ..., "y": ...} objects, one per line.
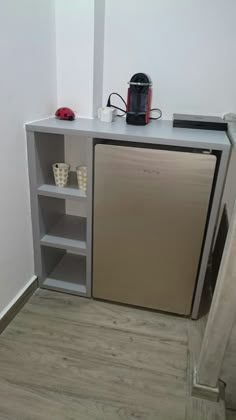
[
  {"x": 109, "y": 104},
  {"x": 117, "y": 107},
  {"x": 159, "y": 116}
]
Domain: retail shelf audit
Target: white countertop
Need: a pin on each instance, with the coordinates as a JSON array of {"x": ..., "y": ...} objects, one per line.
[{"x": 156, "y": 132}]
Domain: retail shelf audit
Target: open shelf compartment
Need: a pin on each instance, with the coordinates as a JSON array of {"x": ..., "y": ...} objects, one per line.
[
  {"x": 50, "y": 148},
  {"x": 69, "y": 232},
  {"x": 62, "y": 217},
  {"x": 64, "y": 272},
  {"x": 61, "y": 230},
  {"x": 71, "y": 191}
]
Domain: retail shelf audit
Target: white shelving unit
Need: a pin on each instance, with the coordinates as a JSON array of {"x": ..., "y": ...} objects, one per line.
[{"x": 62, "y": 242}]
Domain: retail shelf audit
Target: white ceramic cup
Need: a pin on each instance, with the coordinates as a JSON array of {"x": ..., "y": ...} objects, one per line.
[
  {"x": 61, "y": 173},
  {"x": 106, "y": 114},
  {"x": 81, "y": 172}
]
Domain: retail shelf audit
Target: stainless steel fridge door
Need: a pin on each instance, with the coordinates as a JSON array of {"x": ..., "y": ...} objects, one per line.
[{"x": 150, "y": 209}]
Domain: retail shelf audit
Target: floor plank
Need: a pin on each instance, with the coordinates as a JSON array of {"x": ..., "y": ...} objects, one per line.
[
  {"x": 231, "y": 415},
  {"x": 65, "y": 357}
]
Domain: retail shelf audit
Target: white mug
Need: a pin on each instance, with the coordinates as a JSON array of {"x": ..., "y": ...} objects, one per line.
[{"x": 106, "y": 114}]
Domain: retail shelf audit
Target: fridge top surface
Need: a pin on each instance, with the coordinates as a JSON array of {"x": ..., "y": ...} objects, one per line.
[{"x": 156, "y": 132}]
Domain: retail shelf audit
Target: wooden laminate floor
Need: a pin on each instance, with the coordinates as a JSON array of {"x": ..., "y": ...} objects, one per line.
[
  {"x": 231, "y": 415},
  {"x": 65, "y": 357}
]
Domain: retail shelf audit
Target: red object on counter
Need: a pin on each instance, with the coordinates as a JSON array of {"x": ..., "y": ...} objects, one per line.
[{"x": 65, "y": 114}]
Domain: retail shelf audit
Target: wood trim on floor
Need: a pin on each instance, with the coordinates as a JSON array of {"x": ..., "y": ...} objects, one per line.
[{"x": 18, "y": 305}]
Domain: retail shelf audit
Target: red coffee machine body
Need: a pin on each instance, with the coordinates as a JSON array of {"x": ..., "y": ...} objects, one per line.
[{"x": 139, "y": 100}]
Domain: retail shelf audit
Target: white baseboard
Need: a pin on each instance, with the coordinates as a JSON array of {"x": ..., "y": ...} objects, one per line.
[
  {"x": 203, "y": 391},
  {"x": 17, "y": 297}
]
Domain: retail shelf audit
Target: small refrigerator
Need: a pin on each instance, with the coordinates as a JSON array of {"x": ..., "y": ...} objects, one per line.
[{"x": 150, "y": 213}]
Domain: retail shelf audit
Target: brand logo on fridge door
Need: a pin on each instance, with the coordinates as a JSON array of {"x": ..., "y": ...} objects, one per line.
[{"x": 151, "y": 171}]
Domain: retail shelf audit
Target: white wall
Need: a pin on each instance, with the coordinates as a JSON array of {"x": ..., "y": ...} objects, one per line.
[
  {"x": 28, "y": 92},
  {"x": 75, "y": 54},
  {"x": 186, "y": 46}
]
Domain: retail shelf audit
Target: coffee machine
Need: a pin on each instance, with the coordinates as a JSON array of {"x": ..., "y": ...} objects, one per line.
[{"x": 138, "y": 100}]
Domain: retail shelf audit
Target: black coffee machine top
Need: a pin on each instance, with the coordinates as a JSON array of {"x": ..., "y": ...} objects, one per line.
[{"x": 139, "y": 99}]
